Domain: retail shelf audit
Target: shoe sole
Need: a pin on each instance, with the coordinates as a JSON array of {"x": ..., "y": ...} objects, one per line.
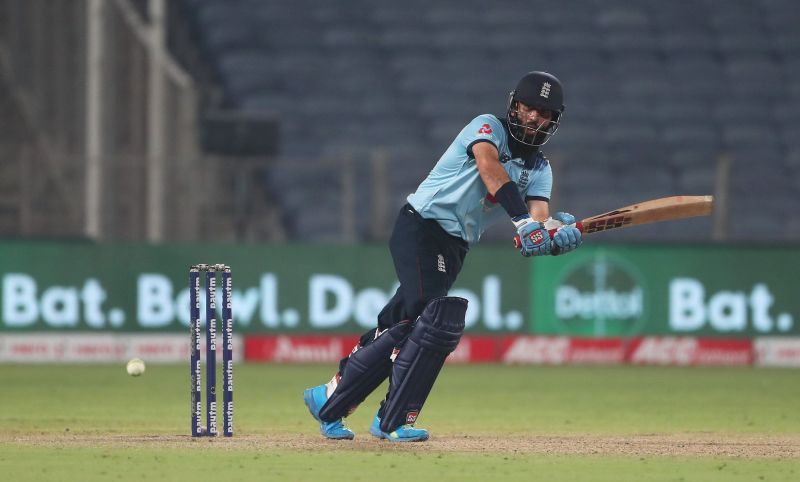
[
  {"x": 343, "y": 437},
  {"x": 378, "y": 433},
  {"x": 383, "y": 435},
  {"x": 308, "y": 398},
  {"x": 404, "y": 440}
]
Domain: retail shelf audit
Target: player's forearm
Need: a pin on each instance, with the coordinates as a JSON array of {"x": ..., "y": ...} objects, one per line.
[
  {"x": 499, "y": 185},
  {"x": 540, "y": 210},
  {"x": 493, "y": 175}
]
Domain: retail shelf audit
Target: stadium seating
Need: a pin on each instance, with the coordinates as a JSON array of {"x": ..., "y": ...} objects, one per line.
[{"x": 657, "y": 92}]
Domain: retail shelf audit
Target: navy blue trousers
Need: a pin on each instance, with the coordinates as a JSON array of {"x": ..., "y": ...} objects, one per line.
[{"x": 427, "y": 261}]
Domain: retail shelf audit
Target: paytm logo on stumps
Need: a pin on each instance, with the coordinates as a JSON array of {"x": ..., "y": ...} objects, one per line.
[{"x": 604, "y": 296}]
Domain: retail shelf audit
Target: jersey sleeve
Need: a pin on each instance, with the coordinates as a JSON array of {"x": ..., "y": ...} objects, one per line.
[
  {"x": 542, "y": 184},
  {"x": 484, "y": 128}
]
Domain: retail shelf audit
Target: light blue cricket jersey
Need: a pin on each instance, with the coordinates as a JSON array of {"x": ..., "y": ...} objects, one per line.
[{"x": 454, "y": 193}]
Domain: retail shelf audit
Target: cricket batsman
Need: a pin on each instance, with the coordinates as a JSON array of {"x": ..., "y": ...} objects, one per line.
[{"x": 493, "y": 169}]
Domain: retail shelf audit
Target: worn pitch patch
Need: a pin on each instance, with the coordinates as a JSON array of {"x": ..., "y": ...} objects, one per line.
[{"x": 689, "y": 444}]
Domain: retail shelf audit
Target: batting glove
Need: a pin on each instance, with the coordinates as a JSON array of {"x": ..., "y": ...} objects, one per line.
[
  {"x": 532, "y": 239},
  {"x": 568, "y": 237}
]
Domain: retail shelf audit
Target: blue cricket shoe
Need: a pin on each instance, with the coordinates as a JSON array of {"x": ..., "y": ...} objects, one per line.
[
  {"x": 315, "y": 398},
  {"x": 403, "y": 433}
]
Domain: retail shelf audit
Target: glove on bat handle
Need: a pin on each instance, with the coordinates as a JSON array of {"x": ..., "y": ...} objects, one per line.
[{"x": 552, "y": 227}]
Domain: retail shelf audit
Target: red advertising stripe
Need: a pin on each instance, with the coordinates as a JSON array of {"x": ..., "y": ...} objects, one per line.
[
  {"x": 476, "y": 349},
  {"x": 661, "y": 350},
  {"x": 559, "y": 350},
  {"x": 597, "y": 351},
  {"x": 548, "y": 350},
  {"x": 323, "y": 349},
  {"x": 777, "y": 352},
  {"x": 686, "y": 351},
  {"x": 523, "y": 349},
  {"x": 722, "y": 351},
  {"x": 298, "y": 348}
]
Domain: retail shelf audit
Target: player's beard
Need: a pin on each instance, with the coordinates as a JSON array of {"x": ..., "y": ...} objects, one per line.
[{"x": 526, "y": 132}]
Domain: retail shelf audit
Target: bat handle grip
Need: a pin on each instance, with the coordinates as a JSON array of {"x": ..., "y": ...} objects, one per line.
[{"x": 553, "y": 231}]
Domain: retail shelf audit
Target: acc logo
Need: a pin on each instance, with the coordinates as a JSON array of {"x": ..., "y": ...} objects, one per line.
[
  {"x": 485, "y": 129},
  {"x": 602, "y": 296},
  {"x": 411, "y": 417}
]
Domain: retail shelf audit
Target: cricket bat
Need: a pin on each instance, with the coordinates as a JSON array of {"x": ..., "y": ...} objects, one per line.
[{"x": 646, "y": 212}]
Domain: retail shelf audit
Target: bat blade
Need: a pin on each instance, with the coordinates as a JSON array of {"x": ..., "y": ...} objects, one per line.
[
  {"x": 646, "y": 212},
  {"x": 654, "y": 211}
]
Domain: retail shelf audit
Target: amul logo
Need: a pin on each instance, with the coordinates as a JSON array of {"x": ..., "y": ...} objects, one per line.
[{"x": 601, "y": 297}]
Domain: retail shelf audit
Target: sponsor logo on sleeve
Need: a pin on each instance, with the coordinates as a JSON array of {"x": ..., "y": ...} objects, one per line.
[{"x": 485, "y": 129}]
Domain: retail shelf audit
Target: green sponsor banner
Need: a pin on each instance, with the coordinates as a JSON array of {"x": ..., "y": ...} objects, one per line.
[
  {"x": 675, "y": 290},
  {"x": 276, "y": 288}
]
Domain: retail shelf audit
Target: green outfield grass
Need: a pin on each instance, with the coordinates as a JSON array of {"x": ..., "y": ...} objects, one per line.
[{"x": 90, "y": 422}]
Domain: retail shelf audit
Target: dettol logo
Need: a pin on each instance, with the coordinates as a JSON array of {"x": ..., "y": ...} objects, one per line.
[{"x": 603, "y": 296}]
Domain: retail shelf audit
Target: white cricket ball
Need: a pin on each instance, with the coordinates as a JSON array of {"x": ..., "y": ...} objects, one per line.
[{"x": 135, "y": 367}]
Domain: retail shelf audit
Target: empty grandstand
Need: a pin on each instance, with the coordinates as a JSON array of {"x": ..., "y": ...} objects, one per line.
[{"x": 662, "y": 98}]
